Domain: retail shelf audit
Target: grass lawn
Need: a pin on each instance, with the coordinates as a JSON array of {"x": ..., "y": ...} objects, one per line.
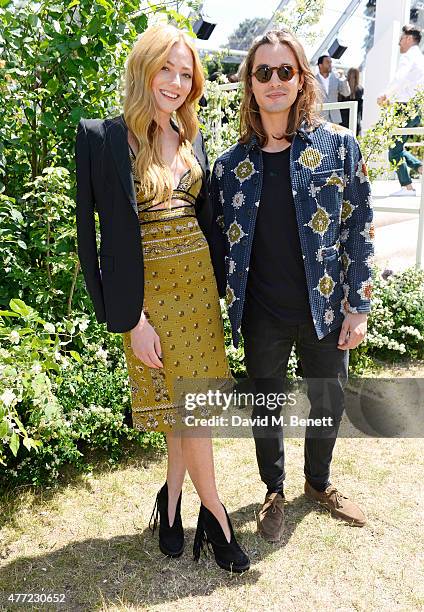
[{"x": 87, "y": 538}]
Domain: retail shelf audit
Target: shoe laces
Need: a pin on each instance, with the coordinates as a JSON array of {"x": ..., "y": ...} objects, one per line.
[
  {"x": 272, "y": 504},
  {"x": 339, "y": 497}
]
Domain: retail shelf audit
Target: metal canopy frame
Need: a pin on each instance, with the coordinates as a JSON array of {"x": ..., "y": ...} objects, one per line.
[{"x": 345, "y": 16}]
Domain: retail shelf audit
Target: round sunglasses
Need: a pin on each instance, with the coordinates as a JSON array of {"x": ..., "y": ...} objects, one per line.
[{"x": 263, "y": 73}]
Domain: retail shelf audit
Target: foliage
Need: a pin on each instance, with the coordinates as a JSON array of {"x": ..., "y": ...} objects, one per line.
[
  {"x": 220, "y": 117},
  {"x": 29, "y": 352},
  {"x": 61, "y": 62},
  {"x": 380, "y": 137},
  {"x": 299, "y": 17},
  {"x": 396, "y": 325},
  {"x": 56, "y": 405},
  {"x": 246, "y": 31},
  {"x": 39, "y": 236}
]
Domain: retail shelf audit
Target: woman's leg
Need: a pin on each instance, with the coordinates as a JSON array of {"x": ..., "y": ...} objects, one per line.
[
  {"x": 198, "y": 457},
  {"x": 175, "y": 473}
]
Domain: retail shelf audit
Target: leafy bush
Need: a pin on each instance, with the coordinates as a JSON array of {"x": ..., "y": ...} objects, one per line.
[
  {"x": 396, "y": 323},
  {"x": 56, "y": 405}
]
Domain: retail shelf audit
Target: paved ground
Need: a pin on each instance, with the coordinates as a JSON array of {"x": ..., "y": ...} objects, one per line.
[{"x": 396, "y": 232}]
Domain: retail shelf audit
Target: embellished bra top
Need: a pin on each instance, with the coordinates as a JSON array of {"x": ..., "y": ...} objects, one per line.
[{"x": 186, "y": 192}]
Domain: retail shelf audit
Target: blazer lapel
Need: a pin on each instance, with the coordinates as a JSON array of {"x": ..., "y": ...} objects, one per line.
[{"x": 118, "y": 142}]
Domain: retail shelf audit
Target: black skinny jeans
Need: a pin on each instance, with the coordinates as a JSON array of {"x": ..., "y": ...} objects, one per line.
[{"x": 268, "y": 342}]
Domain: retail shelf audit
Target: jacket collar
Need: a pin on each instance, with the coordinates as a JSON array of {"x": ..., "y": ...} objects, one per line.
[{"x": 303, "y": 132}]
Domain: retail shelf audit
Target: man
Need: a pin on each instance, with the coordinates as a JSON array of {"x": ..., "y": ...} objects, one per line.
[
  {"x": 331, "y": 86},
  {"x": 293, "y": 200},
  {"x": 408, "y": 79}
]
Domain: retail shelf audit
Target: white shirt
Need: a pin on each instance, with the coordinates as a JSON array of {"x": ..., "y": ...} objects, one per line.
[
  {"x": 409, "y": 76},
  {"x": 325, "y": 81}
]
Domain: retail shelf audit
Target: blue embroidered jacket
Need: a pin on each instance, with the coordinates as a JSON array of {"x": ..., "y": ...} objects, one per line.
[{"x": 332, "y": 198}]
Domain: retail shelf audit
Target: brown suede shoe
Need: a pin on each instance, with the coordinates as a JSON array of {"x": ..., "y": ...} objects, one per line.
[
  {"x": 338, "y": 505},
  {"x": 271, "y": 517}
]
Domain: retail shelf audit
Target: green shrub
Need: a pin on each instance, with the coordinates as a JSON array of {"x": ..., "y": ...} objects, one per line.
[
  {"x": 58, "y": 403},
  {"x": 396, "y": 323}
]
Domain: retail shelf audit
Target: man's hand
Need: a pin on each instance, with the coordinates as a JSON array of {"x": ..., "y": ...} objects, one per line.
[{"x": 353, "y": 330}]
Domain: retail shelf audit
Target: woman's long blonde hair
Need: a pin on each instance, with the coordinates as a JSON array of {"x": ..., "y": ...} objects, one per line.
[
  {"x": 304, "y": 106},
  {"x": 147, "y": 57}
]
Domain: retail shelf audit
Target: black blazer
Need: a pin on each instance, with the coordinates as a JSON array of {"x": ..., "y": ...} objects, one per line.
[{"x": 105, "y": 184}]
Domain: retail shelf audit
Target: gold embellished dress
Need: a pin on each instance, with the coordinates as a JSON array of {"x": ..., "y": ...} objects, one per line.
[{"x": 181, "y": 302}]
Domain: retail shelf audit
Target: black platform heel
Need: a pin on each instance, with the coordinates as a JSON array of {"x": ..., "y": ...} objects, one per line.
[
  {"x": 171, "y": 539},
  {"x": 228, "y": 555}
]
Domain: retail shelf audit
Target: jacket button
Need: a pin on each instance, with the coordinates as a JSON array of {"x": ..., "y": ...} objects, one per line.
[
  {"x": 240, "y": 274},
  {"x": 244, "y": 242}
]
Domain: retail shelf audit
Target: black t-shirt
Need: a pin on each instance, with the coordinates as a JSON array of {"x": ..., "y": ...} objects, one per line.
[{"x": 277, "y": 280}]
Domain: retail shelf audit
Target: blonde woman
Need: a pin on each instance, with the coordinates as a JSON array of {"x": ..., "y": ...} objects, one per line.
[{"x": 146, "y": 173}]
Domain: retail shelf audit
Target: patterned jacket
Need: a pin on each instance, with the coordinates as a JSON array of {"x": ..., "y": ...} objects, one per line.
[{"x": 332, "y": 198}]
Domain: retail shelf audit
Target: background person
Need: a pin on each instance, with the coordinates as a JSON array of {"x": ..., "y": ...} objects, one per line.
[
  {"x": 356, "y": 93},
  {"x": 409, "y": 77},
  {"x": 331, "y": 86}
]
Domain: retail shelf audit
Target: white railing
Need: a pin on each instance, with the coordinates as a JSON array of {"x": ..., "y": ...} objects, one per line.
[
  {"x": 419, "y": 257},
  {"x": 352, "y": 106}
]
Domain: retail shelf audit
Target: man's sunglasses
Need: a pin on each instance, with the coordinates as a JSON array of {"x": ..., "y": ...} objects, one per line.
[{"x": 264, "y": 72}]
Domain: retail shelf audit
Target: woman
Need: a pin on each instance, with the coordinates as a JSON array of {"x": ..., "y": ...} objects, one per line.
[
  {"x": 156, "y": 281},
  {"x": 356, "y": 93}
]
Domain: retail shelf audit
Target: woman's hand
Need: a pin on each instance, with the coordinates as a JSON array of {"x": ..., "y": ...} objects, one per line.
[{"x": 145, "y": 343}]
